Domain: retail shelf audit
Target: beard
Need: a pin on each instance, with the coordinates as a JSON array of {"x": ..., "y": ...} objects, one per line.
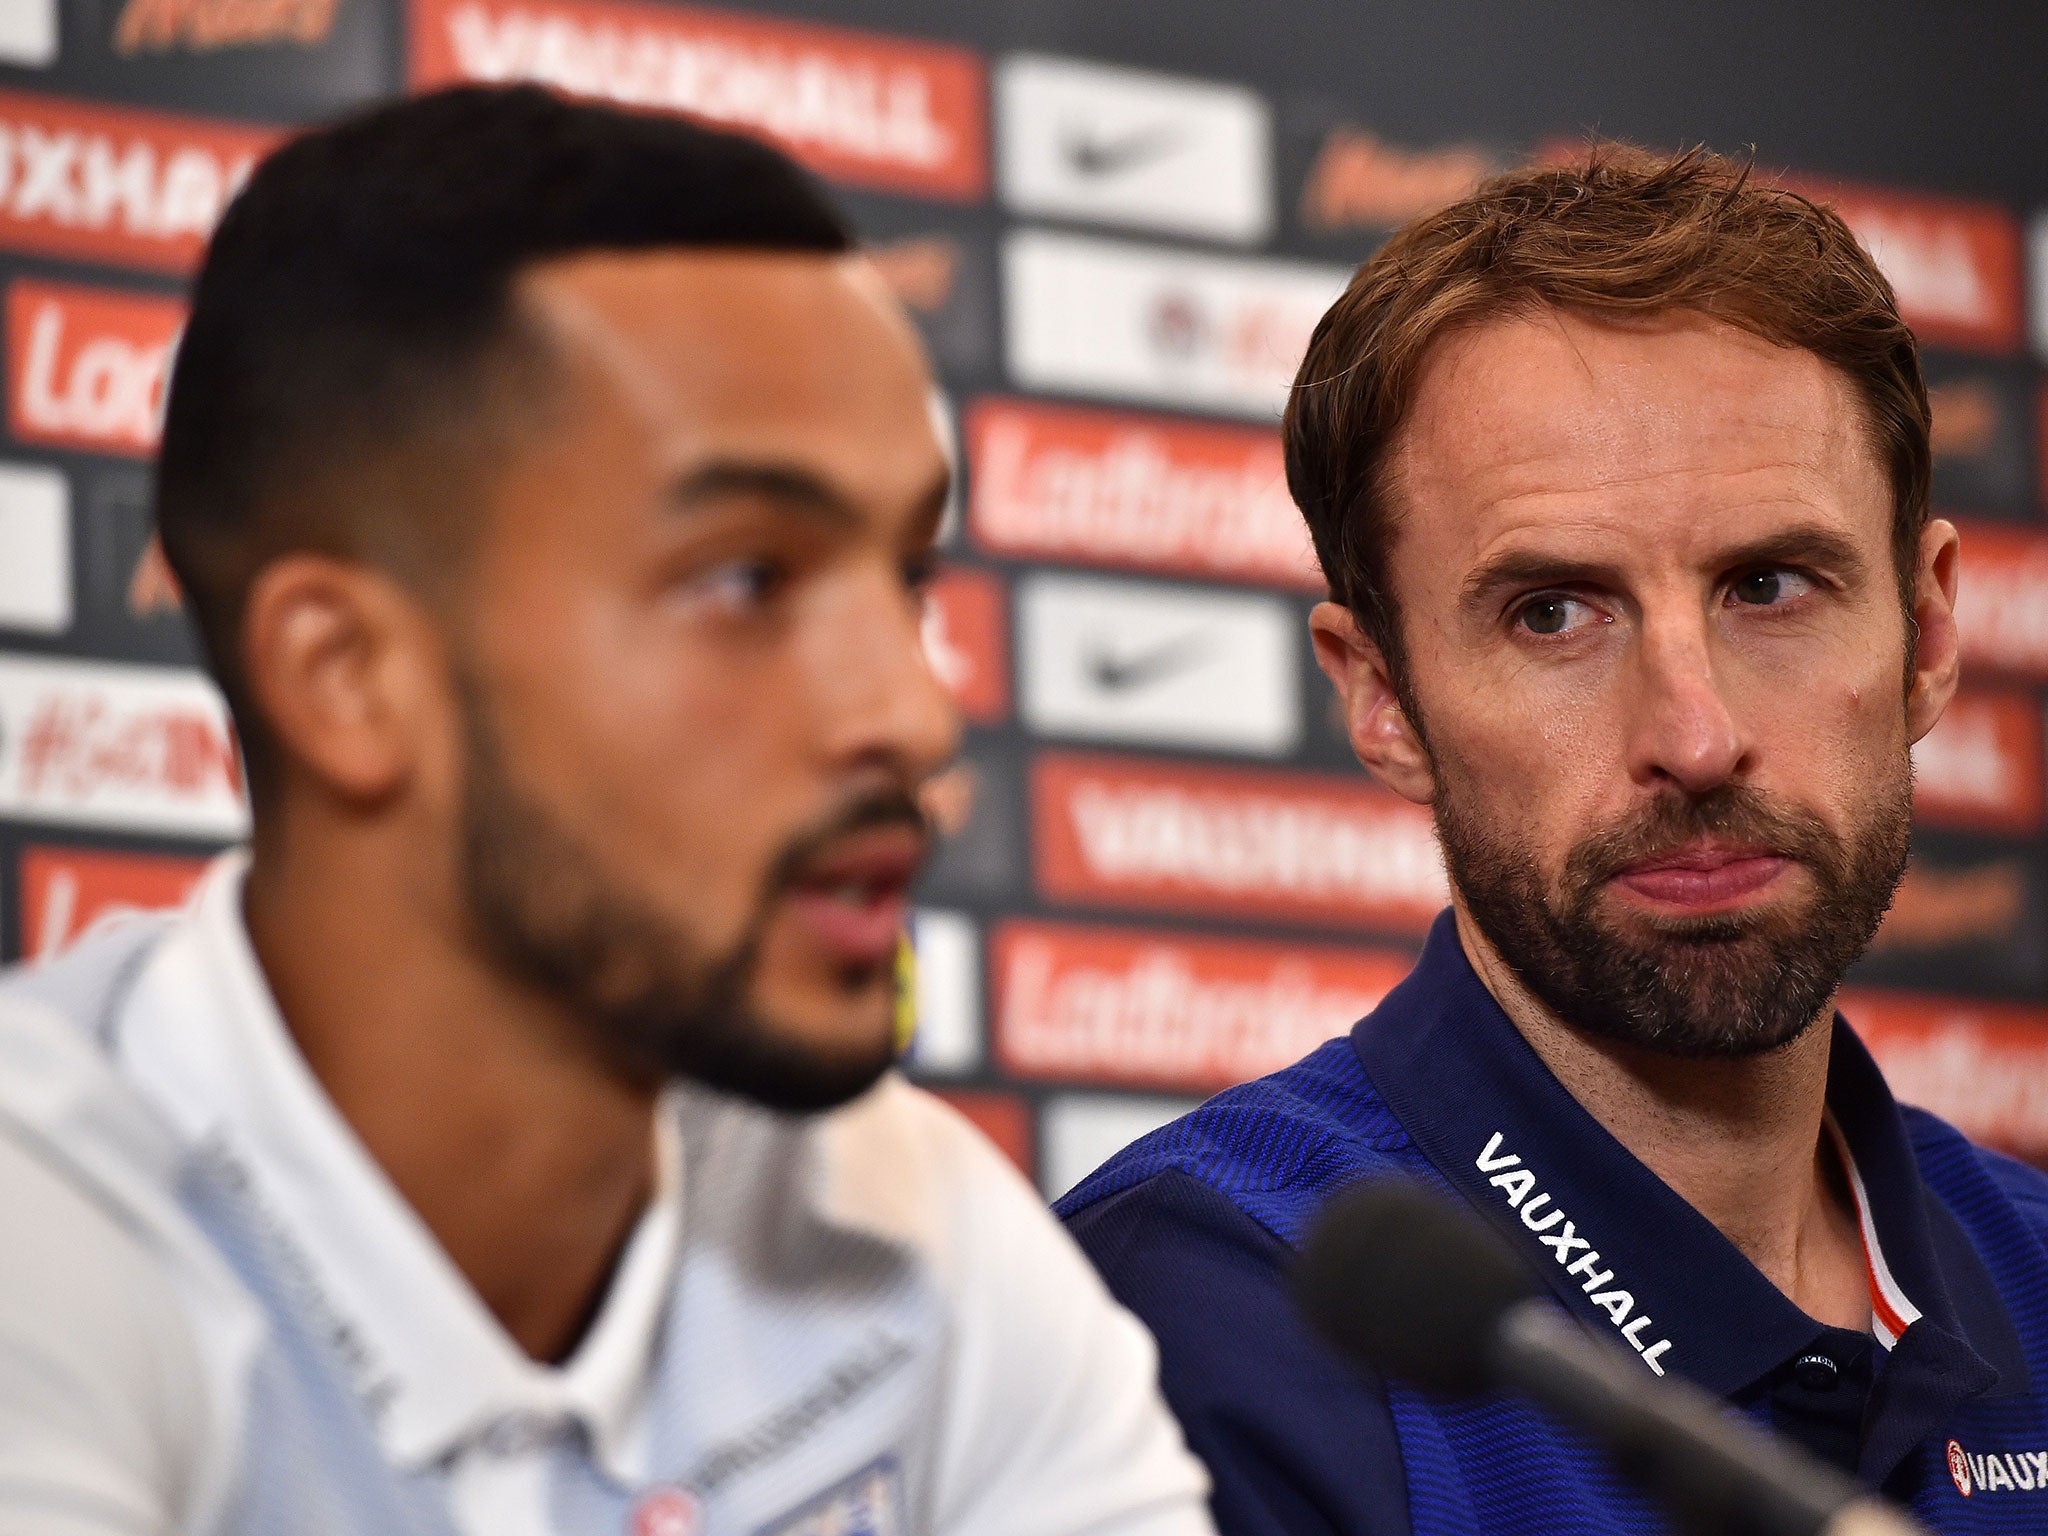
[
  {"x": 1722, "y": 986},
  {"x": 655, "y": 1003}
]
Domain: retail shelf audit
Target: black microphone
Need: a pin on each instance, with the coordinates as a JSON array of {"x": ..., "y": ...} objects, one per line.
[{"x": 1415, "y": 1287}]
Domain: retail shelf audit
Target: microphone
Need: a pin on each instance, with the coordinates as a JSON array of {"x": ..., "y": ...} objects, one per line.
[{"x": 1418, "y": 1288}]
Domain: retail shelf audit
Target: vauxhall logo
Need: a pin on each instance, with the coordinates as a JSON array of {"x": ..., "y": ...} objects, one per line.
[
  {"x": 1995, "y": 1471},
  {"x": 1541, "y": 1215}
]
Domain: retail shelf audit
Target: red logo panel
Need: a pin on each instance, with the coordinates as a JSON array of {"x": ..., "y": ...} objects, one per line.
[
  {"x": 1118, "y": 831},
  {"x": 2002, "y": 600},
  {"x": 88, "y": 367},
  {"x": 1146, "y": 493},
  {"x": 1981, "y": 1065},
  {"x": 876, "y": 111},
  {"x": 1003, "y": 1118},
  {"x": 64, "y": 891},
  {"x": 1954, "y": 264},
  {"x": 1171, "y": 1011},
  {"x": 1981, "y": 766},
  {"x": 140, "y": 189},
  {"x": 966, "y": 641}
]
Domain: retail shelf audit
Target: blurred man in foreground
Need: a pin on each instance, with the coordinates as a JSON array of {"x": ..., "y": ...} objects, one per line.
[
  {"x": 508, "y": 1143},
  {"x": 1619, "y": 474}
]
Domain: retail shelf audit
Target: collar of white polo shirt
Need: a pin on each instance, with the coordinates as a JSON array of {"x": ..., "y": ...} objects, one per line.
[{"x": 201, "y": 1035}]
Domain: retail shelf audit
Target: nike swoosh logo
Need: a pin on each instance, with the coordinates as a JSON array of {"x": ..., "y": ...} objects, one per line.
[
  {"x": 1114, "y": 673},
  {"x": 1094, "y": 154}
]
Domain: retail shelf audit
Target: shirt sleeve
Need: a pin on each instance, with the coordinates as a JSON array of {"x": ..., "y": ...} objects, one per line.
[
  {"x": 1053, "y": 1424},
  {"x": 1298, "y": 1443},
  {"x": 100, "y": 1381}
]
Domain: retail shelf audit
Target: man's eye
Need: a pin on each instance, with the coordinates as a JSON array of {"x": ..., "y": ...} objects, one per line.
[
  {"x": 735, "y": 585},
  {"x": 1762, "y": 589},
  {"x": 1552, "y": 614}
]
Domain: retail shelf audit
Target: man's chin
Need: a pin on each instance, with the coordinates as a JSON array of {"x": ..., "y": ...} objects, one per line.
[
  {"x": 792, "y": 1077},
  {"x": 1699, "y": 988},
  {"x": 799, "y": 1059}
]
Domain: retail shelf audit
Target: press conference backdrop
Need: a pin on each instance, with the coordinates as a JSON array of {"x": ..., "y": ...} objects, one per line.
[{"x": 1116, "y": 225}]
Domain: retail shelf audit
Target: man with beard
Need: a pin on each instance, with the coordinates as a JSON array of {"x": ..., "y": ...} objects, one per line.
[
  {"x": 508, "y": 1143},
  {"x": 1619, "y": 474}
]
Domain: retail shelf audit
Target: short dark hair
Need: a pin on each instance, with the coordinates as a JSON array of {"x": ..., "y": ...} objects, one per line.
[
  {"x": 1622, "y": 233},
  {"x": 354, "y": 312}
]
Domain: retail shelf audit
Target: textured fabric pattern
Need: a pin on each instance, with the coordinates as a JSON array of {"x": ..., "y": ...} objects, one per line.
[{"x": 1963, "y": 1229}]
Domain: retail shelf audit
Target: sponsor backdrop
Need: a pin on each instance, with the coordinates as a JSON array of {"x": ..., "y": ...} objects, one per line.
[{"x": 1116, "y": 225}]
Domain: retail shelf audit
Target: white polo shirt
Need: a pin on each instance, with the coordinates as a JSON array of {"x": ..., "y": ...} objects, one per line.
[{"x": 862, "y": 1321}]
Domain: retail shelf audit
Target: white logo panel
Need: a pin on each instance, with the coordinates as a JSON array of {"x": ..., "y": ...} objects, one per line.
[
  {"x": 28, "y": 32},
  {"x": 1164, "y": 666},
  {"x": 2037, "y": 280},
  {"x": 1078, "y": 1135},
  {"x": 96, "y": 744},
  {"x": 35, "y": 536},
  {"x": 1126, "y": 146},
  {"x": 948, "y": 1038},
  {"x": 1160, "y": 326}
]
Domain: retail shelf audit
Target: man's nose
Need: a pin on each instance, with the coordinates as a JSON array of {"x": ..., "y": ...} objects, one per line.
[
  {"x": 1681, "y": 728},
  {"x": 881, "y": 702}
]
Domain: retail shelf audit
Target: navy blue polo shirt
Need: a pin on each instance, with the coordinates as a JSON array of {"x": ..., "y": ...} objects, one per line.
[{"x": 1937, "y": 1406}]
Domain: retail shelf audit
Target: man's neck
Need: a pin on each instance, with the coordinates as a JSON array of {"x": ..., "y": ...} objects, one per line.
[
  {"x": 527, "y": 1159},
  {"x": 1740, "y": 1140}
]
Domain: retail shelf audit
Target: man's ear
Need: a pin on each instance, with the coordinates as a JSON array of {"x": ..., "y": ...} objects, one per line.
[
  {"x": 1382, "y": 735},
  {"x": 1937, "y": 648},
  {"x": 343, "y": 665}
]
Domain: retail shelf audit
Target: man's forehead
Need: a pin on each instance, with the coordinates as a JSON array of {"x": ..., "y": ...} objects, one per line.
[
  {"x": 1555, "y": 418},
  {"x": 734, "y": 350}
]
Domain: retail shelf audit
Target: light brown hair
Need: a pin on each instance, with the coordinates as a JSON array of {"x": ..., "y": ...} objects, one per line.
[{"x": 1622, "y": 233}]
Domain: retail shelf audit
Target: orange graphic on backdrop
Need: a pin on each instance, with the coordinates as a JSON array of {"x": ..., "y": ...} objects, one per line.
[{"x": 158, "y": 26}]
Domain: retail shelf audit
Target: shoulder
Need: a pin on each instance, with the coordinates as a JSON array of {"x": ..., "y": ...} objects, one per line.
[
  {"x": 1274, "y": 1148},
  {"x": 1965, "y": 1174},
  {"x": 903, "y": 1160},
  {"x": 1052, "y": 1420},
  {"x": 1296, "y": 1439},
  {"x": 103, "y": 1384}
]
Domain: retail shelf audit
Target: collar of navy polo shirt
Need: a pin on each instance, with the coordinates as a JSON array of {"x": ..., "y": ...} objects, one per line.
[{"x": 1632, "y": 1259}]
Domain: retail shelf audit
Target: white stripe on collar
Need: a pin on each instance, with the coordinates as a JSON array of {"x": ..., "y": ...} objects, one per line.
[{"x": 1891, "y": 1310}]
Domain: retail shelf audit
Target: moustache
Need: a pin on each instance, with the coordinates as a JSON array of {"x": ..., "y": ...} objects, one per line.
[
  {"x": 1732, "y": 813},
  {"x": 893, "y": 807}
]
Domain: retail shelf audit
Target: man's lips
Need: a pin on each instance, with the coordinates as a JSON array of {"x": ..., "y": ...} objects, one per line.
[
  {"x": 853, "y": 900},
  {"x": 1703, "y": 877}
]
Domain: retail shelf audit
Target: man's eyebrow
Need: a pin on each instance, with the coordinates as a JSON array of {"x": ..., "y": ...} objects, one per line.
[
  {"x": 1801, "y": 544},
  {"x": 797, "y": 489},
  {"x": 789, "y": 485},
  {"x": 1521, "y": 569}
]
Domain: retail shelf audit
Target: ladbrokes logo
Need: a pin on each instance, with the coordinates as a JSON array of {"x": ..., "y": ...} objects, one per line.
[
  {"x": 1164, "y": 1011},
  {"x": 1249, "y": 844},
  {"x": 1982, "y": 1065},
  {"x": 879, "y": 111},
  {"x": 138, "y": 189},
  {"x": 1106, "y": 488},
  {"x": 157, "y": 26},
  {"x": 1954, "y": 264},
  {"x": 64, "y": 891},
  {"x": 88, "y": 367},
  {"x": 95, "y": 744}
]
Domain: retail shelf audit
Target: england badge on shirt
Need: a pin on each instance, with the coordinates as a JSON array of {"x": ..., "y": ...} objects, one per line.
[{"x": 869, "y": 1503}]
